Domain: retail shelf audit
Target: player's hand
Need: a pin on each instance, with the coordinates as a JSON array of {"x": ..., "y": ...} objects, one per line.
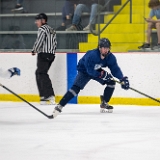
[
  {"x": 105, "y": 76},
  {"x": 15, "y": 71},
  {"x": 33, "y": 53},
  {"x": 124, "y": 83}
]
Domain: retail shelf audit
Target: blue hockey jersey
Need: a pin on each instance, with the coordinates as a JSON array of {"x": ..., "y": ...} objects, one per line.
[{"x": 92, "y": 58}]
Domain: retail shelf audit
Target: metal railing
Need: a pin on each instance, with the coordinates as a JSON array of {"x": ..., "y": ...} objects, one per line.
[
  {"x": 98, "y": 32},
  {"x": 67, "y": 39}
]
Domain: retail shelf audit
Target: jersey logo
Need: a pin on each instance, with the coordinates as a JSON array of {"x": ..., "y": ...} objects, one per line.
[{"x": 97, "y": 66}]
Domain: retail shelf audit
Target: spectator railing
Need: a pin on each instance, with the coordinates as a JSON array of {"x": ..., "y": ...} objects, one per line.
[
  {"x": 98, "y": 32},
  {"x": 69, "y": 39}
]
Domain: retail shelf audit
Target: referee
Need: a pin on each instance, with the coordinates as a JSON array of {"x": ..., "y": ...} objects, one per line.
[{"x": 44, "y": 46}]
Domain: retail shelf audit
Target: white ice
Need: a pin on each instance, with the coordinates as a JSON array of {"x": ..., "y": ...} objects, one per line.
[{"x": 80, "y": 132}]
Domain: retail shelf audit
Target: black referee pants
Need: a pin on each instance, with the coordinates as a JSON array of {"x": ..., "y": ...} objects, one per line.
[{"x": 44, "y": 61}]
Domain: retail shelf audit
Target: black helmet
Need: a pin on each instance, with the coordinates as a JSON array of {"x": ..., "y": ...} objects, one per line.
[
  {"x": 42, "y": 16},
  {"x": 104, "y": 42}
]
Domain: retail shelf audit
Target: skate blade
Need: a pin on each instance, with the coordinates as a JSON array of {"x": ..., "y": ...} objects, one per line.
[
  {"x": 47, "y": 103},
  {"x": 102, "y": 110}
]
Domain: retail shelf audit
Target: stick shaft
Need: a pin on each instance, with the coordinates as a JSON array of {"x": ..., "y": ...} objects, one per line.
[
  {"x": 144, "y": 94},
  {"x": 139, "y": 92},
  {"x": 48, "y": 116}
]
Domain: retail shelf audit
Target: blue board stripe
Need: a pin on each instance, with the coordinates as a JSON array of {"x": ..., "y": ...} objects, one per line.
[{"x": 71, "y": 72}]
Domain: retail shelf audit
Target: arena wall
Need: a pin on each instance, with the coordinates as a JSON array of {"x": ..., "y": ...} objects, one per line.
[{"x": 141, "y": 68}]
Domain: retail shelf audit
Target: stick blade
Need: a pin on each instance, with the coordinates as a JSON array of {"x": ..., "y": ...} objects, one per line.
[{"x": 50, "y": 117}]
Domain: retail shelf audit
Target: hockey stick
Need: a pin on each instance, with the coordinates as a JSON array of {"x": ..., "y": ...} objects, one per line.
[
  {"x": 48, "y": 116},
  {"x": 99, "y": 67},
  {"x": 138, "y": 91}
]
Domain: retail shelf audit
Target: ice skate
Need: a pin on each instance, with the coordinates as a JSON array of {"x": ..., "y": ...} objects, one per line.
[
  {"x": 57, "y": 110},
  {"x": 105, "y": 107},
  {"x": 48, "y": 101}
]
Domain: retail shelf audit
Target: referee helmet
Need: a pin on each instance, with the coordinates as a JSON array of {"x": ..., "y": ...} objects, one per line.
[{"x": 42, "y": 16}]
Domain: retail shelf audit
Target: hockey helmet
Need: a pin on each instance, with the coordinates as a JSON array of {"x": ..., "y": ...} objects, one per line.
[
  {"x": 42, "y": 16},
  {"x": 104, "y": 42}
]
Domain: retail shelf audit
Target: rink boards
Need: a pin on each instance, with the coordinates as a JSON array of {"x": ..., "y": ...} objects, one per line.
[{"x": 141, "y": 68}]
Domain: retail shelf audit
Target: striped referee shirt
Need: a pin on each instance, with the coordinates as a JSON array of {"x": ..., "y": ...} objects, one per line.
[{"x": 46, "y": 40}]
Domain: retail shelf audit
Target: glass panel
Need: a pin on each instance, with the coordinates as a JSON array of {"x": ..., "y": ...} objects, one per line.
[
  {"x": 122, "y": 21},
  {"x": 125, "y": 27}
]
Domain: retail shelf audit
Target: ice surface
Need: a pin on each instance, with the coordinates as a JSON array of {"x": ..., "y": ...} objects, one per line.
[{"x": 80, "y": 132}]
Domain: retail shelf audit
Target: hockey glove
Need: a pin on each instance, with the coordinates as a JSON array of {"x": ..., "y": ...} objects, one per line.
[
  {"x": 14, "y": 71},
  {"x": 105, "y": 76},
  {"x": 124, "y": 83}
]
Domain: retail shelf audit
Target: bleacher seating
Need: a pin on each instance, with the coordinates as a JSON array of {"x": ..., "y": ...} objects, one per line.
[
  {"x": 66, "y": 40},
  {"x": 124, "y": 35}
]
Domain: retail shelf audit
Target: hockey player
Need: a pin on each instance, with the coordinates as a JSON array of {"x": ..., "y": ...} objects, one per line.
[
  {"x": 90, "y": 67},
  {"x": 10, "y": 72}
]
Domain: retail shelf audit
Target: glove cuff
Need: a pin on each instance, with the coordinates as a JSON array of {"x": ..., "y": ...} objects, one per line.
[
  {"x": 102, "y": 74},
  {"x": 124, "y": 78},
  {"x": 11, "y": 70}
]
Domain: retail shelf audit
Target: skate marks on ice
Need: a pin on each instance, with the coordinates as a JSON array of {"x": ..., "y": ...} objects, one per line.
[{"x": 80, "y": 132}]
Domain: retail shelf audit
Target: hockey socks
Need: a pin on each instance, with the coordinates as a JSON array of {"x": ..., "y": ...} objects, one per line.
[
  {"x": 108, "y": 91},
  {"x": 69, "y": 95}
]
